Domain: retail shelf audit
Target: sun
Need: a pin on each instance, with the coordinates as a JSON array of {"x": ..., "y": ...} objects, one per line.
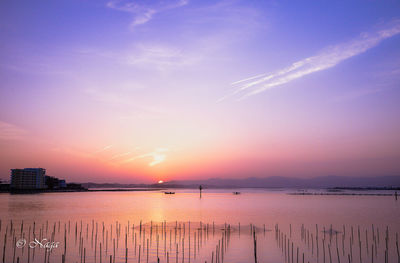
[{"x": 161, "y": 181}]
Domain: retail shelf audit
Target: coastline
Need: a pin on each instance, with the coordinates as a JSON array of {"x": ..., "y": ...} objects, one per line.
[{"x": 32, "y": 191}]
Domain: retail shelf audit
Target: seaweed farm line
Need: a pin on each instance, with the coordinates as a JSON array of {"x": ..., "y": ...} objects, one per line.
[{"x": 93, "y": 241}]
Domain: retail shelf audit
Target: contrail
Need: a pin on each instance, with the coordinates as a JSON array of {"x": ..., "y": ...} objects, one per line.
[
  {"x": 327, "y": 58},
  {"x": 104, "y": 148},
  {"x": 120, "y": 155},
  {"x": 158, "y": 156}
]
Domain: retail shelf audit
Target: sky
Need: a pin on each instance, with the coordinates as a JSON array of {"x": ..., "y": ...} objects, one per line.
[{"x": 141, "y": 91}]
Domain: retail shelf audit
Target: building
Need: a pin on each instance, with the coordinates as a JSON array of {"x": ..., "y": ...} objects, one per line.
[
  {"x": 28, "y": 178},
  {"x": 4, "y": 186},
  {"x": 62, "y": 183},
  {"x": 51, "y": 182},
  {"x": 76, "y": 187}
]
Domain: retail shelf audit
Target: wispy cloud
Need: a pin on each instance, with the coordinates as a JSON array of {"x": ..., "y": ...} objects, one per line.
[
  {"x": 116, "y": 156},
  {"x": 105, "y": 148},
  {"x": 151, "y": 55},
  {"x": 143, "y": 11},
  {"x": 201, "y": 33},
  {"x": 327, "y": 58},
  {"x": 73, "y": 151},
  {"x": 10, "y": 132},
  {"x": 158, "y": 156},
  {"x": 355, "y": 94},
  {"x": 160, "y": 57},
  {"x": 126, "y": 102},
  {"x": 111, "y": 97},
  {"x": 119, "y": 155}
]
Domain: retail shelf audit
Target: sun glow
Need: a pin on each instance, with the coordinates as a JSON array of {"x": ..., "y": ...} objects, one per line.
[{"x": 161, "y": 181}]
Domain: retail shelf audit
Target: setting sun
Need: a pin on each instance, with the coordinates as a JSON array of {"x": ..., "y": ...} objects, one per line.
[{"x": 161, "y": 181}]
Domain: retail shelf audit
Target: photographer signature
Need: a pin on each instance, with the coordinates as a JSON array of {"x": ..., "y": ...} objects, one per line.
[{"x": 44, "y": 243}]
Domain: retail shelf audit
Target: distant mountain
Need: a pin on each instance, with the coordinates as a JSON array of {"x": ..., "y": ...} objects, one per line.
[
  {"x": 290, "y": 182},
  {"x": 269, "y": 182}
]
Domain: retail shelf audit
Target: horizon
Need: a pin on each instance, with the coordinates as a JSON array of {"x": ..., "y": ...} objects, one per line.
[
  {"x": 160, "y": 182},
  {"x": 143, "y": 91}
]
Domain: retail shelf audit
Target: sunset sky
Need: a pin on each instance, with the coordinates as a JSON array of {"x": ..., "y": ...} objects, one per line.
[{"x": 141, "y": 91}]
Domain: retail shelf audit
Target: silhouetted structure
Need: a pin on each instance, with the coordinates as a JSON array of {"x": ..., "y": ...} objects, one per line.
[
  {"x": 33, "y": 180},
  {"x": 54, "y": 183},
  {"x": 62, "y": 183},
  {"x": 51, "y": 182},
  {"x": 74, "y": 186},
  {"x": 28, "y": 179},
  {"x": 4, "y": 187}
]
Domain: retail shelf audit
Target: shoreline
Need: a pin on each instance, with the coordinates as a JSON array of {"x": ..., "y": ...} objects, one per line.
[
  {"x": 32, "y": 191},
  {"x": 355, "y": 194}
]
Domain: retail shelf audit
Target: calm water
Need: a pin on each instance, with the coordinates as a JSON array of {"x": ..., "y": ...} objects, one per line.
[{"x": 186, "y": 228}]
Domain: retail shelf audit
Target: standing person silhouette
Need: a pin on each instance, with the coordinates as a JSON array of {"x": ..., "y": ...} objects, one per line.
[{"x": 200, "y": 188}]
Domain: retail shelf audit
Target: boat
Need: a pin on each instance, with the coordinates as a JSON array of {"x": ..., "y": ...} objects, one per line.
[
  {"x": 236, "y": 193},
  {"x": 169, "y": 193}
]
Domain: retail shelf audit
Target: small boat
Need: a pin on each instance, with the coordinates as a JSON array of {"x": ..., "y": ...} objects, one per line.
[
  {"x": 169, "y": 193},
  {"x": 236, "y": 193}
]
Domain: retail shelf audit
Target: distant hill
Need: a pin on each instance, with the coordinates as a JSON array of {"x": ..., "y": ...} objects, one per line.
[
  {"x": 290, "y": 182},
  {"x": 268, "y": 182}
]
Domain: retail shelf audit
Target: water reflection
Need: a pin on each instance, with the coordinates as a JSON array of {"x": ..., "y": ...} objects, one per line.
[{"x": 314, "y": 225}]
